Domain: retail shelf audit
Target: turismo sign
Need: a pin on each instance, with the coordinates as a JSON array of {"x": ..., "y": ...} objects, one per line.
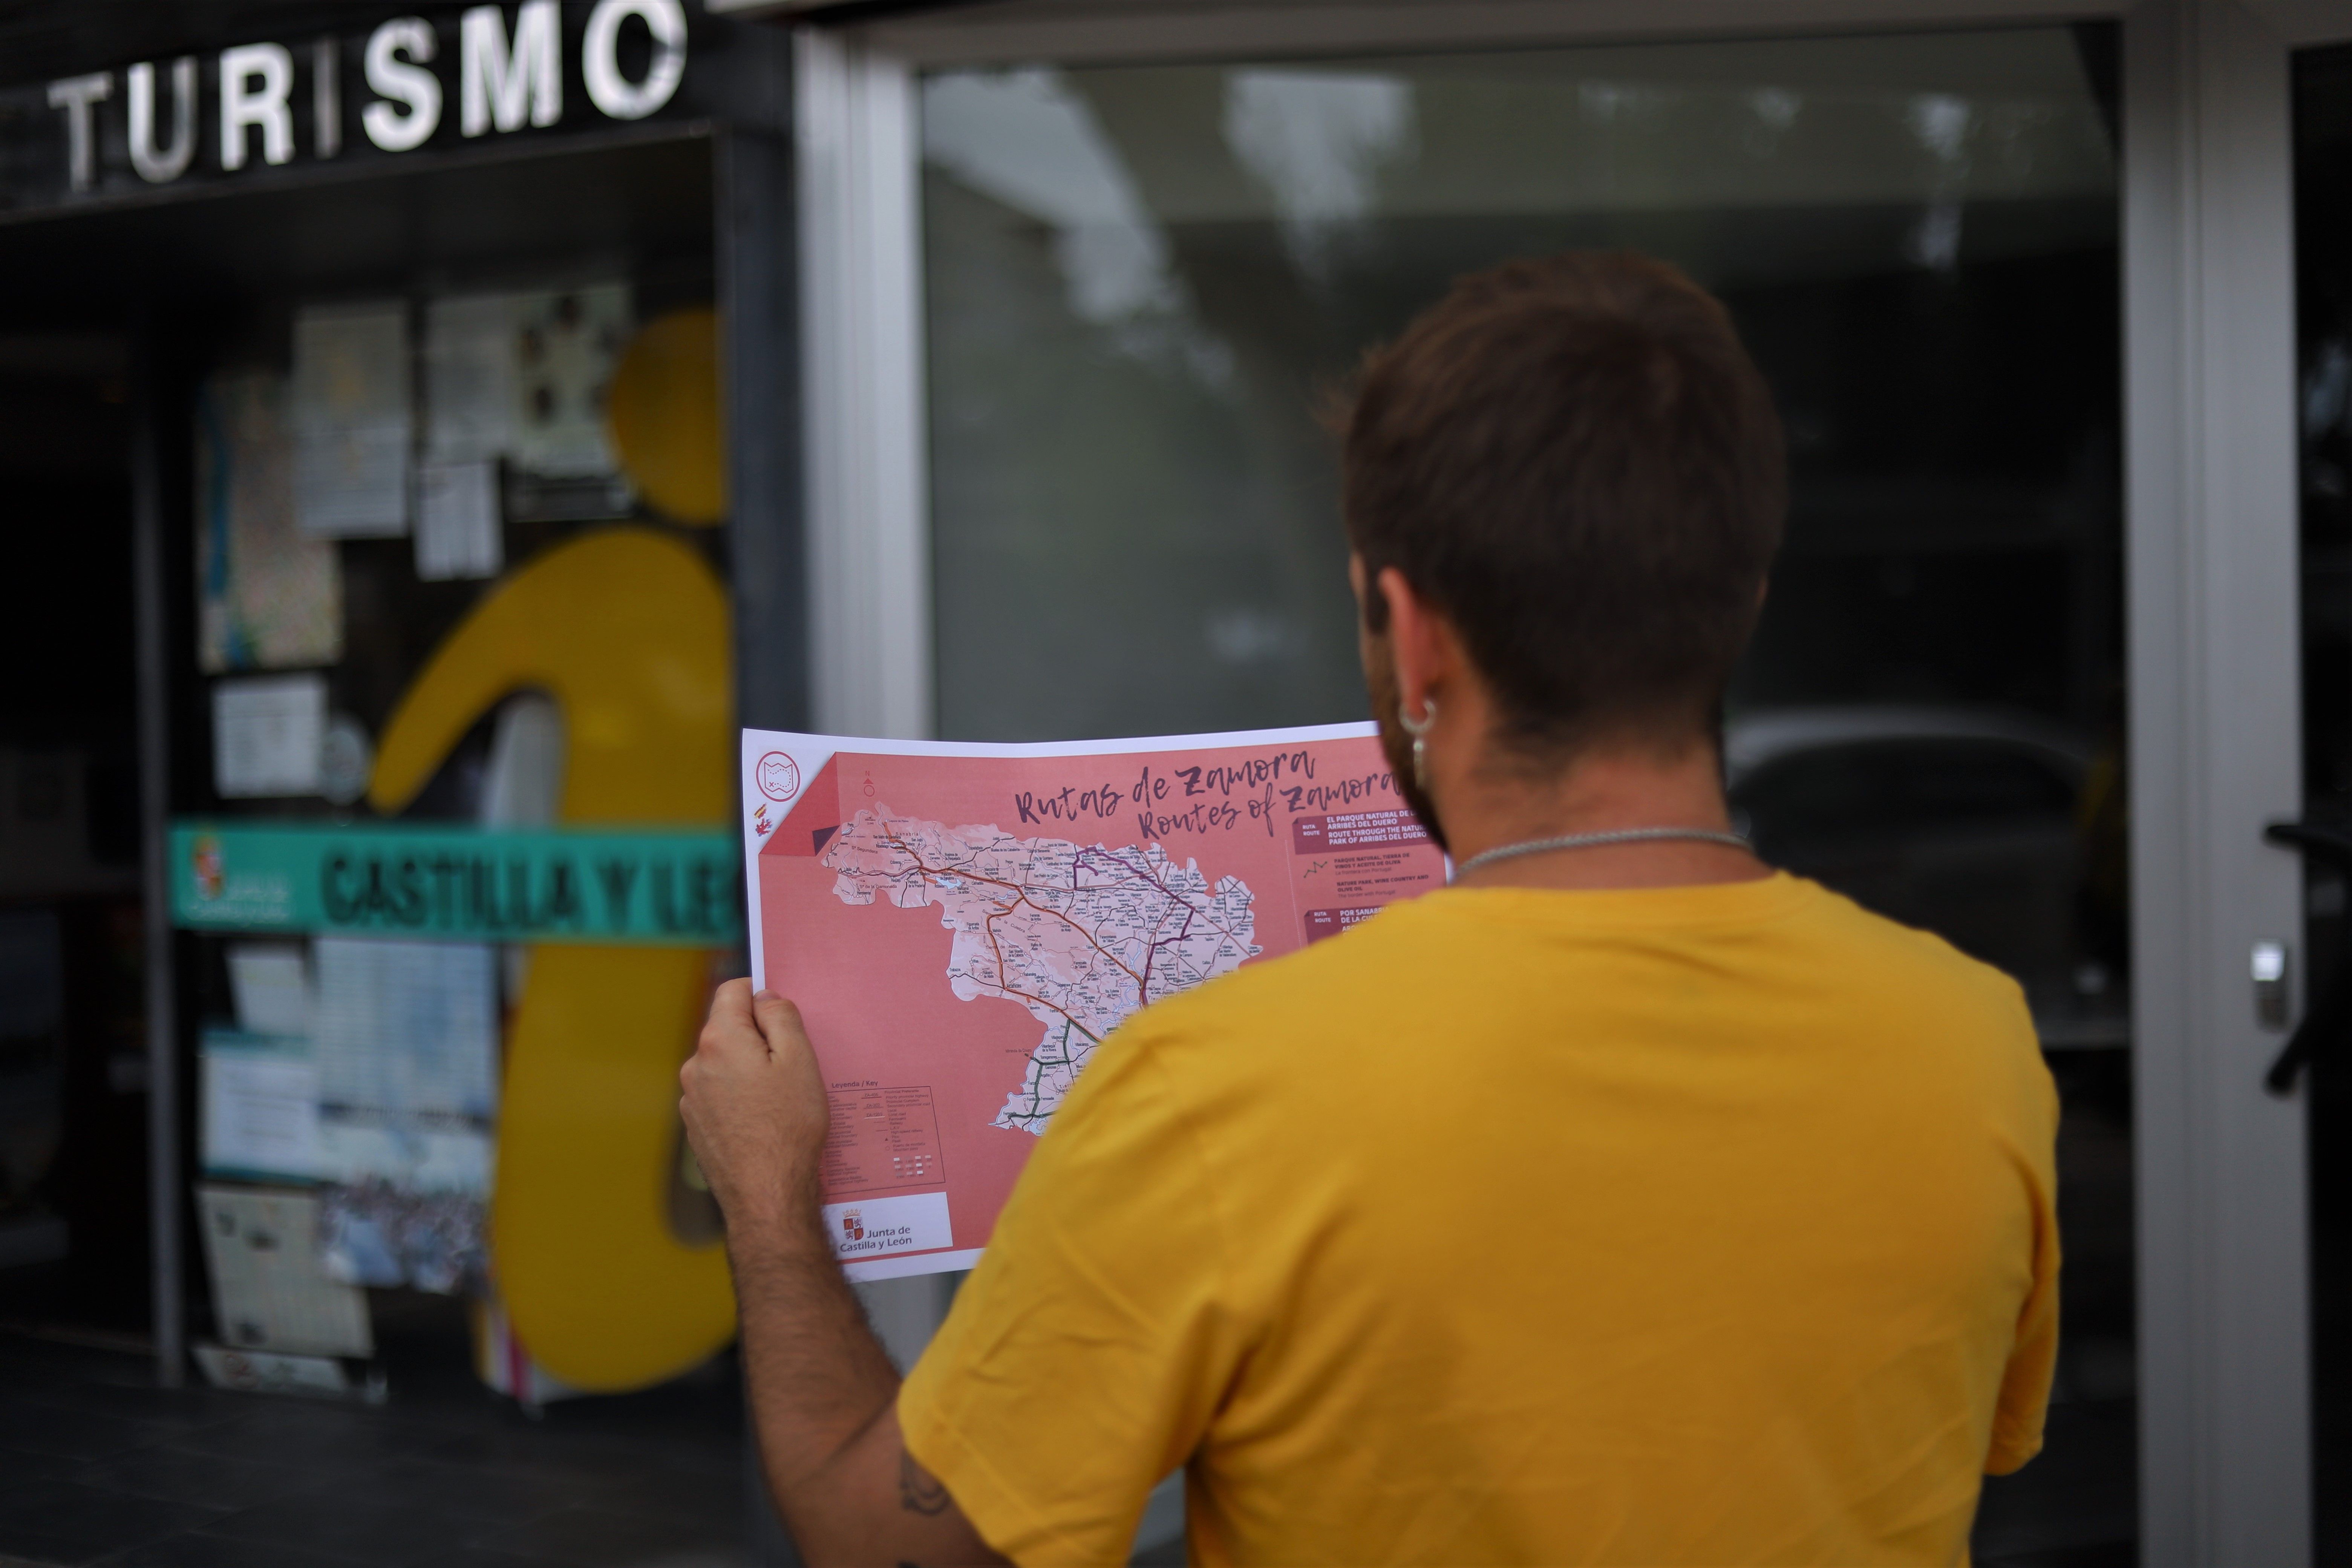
[
  {"x": 401, "y": 86},
  {"x": 634, "y": 886}
]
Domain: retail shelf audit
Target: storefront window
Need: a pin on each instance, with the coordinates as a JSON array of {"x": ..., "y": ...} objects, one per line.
[
  {"x": 1143, "y": 282},
  {"x": 365, "y": 858},
  {"x": 456, "y": 571},
  {"x": 450, "y": 850}
]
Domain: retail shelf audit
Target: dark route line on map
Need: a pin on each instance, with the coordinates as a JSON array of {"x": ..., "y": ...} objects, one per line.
[
  {"x": 1021, "y": 891},
  {"x": 1171, "y": 894},
  {"x": 988, "y": 923},
  {"x": 1037, "y": 1111},
  {"x": 1080, "y": 853},
  {"x": 1021, "y": 894}
]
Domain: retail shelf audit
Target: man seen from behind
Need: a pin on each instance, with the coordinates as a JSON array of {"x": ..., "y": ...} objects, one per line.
[{"x": 1624, "y": 1202}]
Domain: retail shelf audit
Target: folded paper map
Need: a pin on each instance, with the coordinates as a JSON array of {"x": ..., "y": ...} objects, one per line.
[{"x": 963, "y": 925}]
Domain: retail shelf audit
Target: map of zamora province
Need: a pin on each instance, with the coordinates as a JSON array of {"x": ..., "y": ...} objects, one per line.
[{"x": 1080, "y": 935}]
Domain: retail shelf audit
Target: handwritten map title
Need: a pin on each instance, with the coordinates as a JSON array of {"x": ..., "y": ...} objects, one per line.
[{"x": 1208, "y": 796}]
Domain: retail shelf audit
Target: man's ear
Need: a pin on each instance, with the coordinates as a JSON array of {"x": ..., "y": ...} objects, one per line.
[{"x": 1421, "y": 646}]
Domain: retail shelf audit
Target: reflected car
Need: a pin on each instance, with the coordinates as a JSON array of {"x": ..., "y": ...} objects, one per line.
[{"x": 1980, "y": 825}]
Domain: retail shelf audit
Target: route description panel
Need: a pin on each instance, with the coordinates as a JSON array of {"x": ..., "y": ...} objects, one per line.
[
  {"x": 1354, "y": 863},
  {"x": 882, "y": 1140},
  {"x": 1356, "y": 830}
]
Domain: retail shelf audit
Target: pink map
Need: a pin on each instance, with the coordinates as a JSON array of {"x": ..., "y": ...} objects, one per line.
[{"x": 963, "y": 926}]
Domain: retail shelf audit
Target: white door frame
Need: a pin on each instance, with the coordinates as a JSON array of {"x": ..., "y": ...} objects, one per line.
[
  {"x": 2216, "y": 713},
  {"x": 863, "y": 425},
  {"x": 2224, "y": 1353}
]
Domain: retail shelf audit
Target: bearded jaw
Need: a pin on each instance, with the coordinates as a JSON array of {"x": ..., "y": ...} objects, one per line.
[{"x": 1380, "y": 679}]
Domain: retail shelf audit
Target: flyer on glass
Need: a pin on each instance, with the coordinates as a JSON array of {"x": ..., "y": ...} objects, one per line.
[{"x": 961, "y": 925}]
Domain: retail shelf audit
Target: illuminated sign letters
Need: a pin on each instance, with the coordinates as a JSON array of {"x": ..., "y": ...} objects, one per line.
[
  {"x": 253, "y": 81},
  {"x": 600, "y": 56},
  {"x": 510, "y": 70},
  {"x": 500, "y": 80},
  {"x": 161, "y": 165},
  {"x": 411, "y": 107}
]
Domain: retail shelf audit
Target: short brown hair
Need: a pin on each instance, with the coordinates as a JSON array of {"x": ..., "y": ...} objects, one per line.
[{"x": 1577, "y": 463}]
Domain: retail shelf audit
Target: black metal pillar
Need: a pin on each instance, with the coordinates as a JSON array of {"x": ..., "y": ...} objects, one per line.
[
  {"x": 756, "y": 246},
  {"x": 164, "y": 1197}
]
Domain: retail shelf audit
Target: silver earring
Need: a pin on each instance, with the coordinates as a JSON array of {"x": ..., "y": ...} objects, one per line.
[{"x": 1419, "y": 729}]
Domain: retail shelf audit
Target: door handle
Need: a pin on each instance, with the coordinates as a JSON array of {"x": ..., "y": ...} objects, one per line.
[{"x": 2323, "y": 1022}]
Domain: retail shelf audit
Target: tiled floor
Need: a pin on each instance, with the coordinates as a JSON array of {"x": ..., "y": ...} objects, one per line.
[{"x": 97, "y": 1466}]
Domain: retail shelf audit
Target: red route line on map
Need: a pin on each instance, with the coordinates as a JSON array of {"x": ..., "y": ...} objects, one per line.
[
  {"x": 1170, "y": 894},
  {"x": 1021, "y": 896}
]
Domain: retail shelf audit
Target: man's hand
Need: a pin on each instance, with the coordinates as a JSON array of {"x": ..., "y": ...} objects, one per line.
[
  {"x": 823, "y": 1394},
  {"x": 755, "y": 1111}
]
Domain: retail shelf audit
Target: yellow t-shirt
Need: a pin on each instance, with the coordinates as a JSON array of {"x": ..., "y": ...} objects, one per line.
[{"x": 1706, "y": 1224}]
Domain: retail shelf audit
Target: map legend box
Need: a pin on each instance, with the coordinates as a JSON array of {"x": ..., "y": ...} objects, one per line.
[{"x": 881, "y": 1140}]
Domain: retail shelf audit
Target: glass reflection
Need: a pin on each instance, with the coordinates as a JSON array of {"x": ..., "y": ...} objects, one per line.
[{"x": 1142, "y": 281}]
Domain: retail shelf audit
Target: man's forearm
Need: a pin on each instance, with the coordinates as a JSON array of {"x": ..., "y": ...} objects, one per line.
[
  {"x": 823, "y": 1394},
  {"x": 818, "y": 1376}
]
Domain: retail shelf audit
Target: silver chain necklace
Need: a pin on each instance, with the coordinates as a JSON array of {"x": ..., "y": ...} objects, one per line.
[{"x": 1595, "y": 841}]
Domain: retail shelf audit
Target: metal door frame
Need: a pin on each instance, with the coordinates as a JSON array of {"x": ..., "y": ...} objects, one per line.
[
  {"x": 2216, "y": 753},
  {"x": 2212, "y": 592}
]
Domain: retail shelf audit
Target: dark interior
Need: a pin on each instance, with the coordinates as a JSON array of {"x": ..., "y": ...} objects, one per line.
[{"x": 2322, "y": 155}]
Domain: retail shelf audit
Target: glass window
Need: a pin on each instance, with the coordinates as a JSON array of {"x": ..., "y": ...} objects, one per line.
[
  {"x": 1143, "y": 282},
  {"x": 464, "y": 712},
  {"x": 1971, "y": 835}
]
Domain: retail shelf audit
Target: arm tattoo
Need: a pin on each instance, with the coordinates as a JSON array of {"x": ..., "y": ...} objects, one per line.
[{"x": 919, "y": 1491}]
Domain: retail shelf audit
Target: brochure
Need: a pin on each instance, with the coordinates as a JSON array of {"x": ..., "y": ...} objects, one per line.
[{"x": 963, "y": 925}]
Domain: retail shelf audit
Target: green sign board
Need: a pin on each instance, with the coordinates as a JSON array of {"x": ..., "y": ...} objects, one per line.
[{"x": 632, "y": 886}]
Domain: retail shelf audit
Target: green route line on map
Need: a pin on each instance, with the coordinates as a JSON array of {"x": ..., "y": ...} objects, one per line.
[{"x": 1036, "y": 1108}]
